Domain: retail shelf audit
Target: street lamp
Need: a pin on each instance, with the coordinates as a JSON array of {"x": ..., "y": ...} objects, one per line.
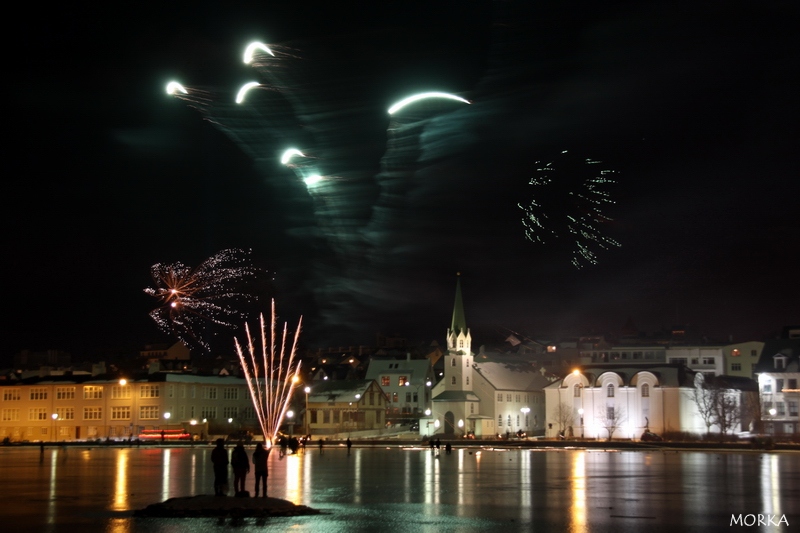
[
  {"x": 358, "y": 401},
  {"x": 290, "y": 416},
  {"x": 305, "y": 418},
  {"x": 580, "y": 412},
  {"x": 54, "y": 416}
]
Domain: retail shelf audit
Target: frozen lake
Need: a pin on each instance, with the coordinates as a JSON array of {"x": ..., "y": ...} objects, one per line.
[{"x": 93, "y": 489}]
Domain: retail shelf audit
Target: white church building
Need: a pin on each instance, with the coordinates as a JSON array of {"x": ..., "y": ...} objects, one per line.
[{"x": 487, "y": 395}]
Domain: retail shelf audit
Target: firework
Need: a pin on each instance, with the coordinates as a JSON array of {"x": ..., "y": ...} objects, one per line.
[
  {"x": 192, "y": 298},
  {"x": 272, "y": 375},
  {"x": 421, "y": 96},
  {"x": 568, "y": 204}
]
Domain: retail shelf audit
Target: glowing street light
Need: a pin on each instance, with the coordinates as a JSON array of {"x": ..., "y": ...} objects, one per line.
[{"x": 307, "y": 390}]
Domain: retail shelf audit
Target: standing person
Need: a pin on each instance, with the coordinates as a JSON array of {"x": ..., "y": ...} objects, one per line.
[
  {"x": 349, "y": 445},
  {"x": 432, "y": 443},
  {"x": 241, "y": 466},
  {"x": 320, "y": 446},
  {"x": 220, "y": 459},
  {"x": 260, "y": 468}
]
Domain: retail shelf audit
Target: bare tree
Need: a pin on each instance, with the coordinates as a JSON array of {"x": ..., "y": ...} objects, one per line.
[
  {"x": 564, "y": 416},
  {"x": 705, "y": 399},
  {"x": 611, "y": 418},
  {"x": 727, "y": 410}
]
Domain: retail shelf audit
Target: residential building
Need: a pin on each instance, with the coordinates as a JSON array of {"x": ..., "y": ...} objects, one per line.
[
  {"x": 778, "y": 374},
  {"x": 741, "y": 358},
  {"x": 343, "y": 406},
  {"x": 407, "y": 384}
]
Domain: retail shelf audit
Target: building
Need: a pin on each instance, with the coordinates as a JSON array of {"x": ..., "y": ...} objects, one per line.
[
  {"x": 344, "y": 406},
  {"x": 625, "y": 400},
  {"x": 778, "y": 375},
  {"x": 485, "y": 395},
  {"x": 86, "y": 407},
  {"x": 741, "y": 358},
  {"x": 407, "y": 384}
]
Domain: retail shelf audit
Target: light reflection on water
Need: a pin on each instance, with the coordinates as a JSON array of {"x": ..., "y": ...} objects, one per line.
[{"x": 96, "y": 489}]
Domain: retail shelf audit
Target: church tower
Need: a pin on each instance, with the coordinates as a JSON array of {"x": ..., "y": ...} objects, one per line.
[{"x": 459, "y": 358}]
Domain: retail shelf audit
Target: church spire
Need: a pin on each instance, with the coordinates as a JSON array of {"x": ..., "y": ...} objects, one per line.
[{"x": 459, "y": 323}]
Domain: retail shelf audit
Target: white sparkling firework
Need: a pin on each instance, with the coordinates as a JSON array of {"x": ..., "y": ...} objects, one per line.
[
  {"x": 568, "y": 204},
  {"x": 272, "y": 374},
  {"x": 421, "y": 96},
  {"x": 244, "y": 89},
  {"x": 287, "y": 155},
  {"x": 174, "y": 87},
  {"x": 191, "y": 298},
  {"x": 252, "y": 48}
]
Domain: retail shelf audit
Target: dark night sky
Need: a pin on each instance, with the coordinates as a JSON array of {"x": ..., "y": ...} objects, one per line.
[{"x": 695, "y": 108}]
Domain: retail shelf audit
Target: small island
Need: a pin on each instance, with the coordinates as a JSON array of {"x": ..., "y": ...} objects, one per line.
[{"x": 217, "y": 506}]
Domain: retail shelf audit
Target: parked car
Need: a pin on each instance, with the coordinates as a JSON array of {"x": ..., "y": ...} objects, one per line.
[{"x": 414, "y": 426}]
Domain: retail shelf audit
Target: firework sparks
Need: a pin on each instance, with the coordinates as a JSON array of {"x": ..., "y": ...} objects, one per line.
[
  {"x": 568, "y": 203},
  {"x": 272, "y": 375},
  {"x": 191, "y": 298}
]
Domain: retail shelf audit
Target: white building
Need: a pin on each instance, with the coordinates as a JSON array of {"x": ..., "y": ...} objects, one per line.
[
  {"x": 627, "y": 398},
  {"x": 778, "y": 374},
  {"x": 485, "y": 395}
]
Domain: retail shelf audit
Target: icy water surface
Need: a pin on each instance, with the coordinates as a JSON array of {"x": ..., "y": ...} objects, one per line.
[{"x": 96, "y": 489}]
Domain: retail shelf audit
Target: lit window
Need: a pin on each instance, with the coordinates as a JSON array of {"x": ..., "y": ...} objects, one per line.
[
  {"x": 402, "y": 380},
  {"x": 385, "y": 381},
  {"x": 65, "y": 393},
  {"x": 735, "y": 353},
  {"x": 92, "y": 393},
  {"x": 38, "y": 393},
  {"x": 92, "y": 413}
]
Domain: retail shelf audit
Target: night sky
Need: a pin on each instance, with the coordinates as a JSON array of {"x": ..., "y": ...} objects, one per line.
[{"x": 694, "y": 108}]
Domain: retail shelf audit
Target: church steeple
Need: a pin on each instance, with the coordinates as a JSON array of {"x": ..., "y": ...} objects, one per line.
[
  {"x": 459, "y": 323},
  {"x": 458, "y": 360}
]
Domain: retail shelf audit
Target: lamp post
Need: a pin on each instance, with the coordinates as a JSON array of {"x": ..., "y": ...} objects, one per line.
[
  {"x": 307, "y": 415},
  {"x": 580, "y": 412},
  {"x": 54, "y": 416},
  {"x": 290, "y": 416},
  {"x": 358, "y": 401}
]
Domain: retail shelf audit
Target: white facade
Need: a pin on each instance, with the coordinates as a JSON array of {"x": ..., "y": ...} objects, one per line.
[{"x": 657, "y": 397}]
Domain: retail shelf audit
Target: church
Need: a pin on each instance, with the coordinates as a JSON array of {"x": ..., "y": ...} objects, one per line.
[{"x": 486, "y": 396}]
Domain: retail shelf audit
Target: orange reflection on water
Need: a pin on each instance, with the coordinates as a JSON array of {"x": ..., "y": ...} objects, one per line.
[
  {"x": 120, "y": 501},
  {"x": 577, "y": 511},
  {"x": 294, "y": 479}
]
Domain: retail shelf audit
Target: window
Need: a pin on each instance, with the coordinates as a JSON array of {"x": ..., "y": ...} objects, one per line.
[
  {"x": 517, "y": 420},
  {"x": 472, "y": 408},
  {"x": 735, "y": 367},
  {"x": 517, "y": 397},
  {"x": 37, "y": 413},
  {"x": 781, "y": 408},
  {"x": 792, "y": 408},
  {"x": 408, "y": 397},
  {"x": 508, "y": 397},
  {"x": 120, "y": 392},
  {"x": 65, "y": 413},
  {"x": 767, "y": 407},
  {"x": 230, "y": 412},
  {"x": 10, "y": 415},
  {"x": 208, "y": 412},
  {"x": 645, "y": 390},
  {"x": 313, "y": 416},
  {"x": 209, "y": 393},
  {"x": 92, "y": 413},
  {"x": 679, "y": 360},
  {"x": 791, "y": 384},
  {"x": 65, "y": 393},
  {"x": 384, "y": 381},
  {"x": 499, "y": 397},
  {"x": 708, "y": 360},
  {"x": 394, "y": 397},
  {"x": 610, "y": 415},
  {"x": 753, "y": 353},
  {"x": 11, "y": 394},
  {"x": 499, "y": 421},
  {"x": 467, "y": 362},
  {"x": 460, "y": 343},
  {"x": 150, "y": 412},
  {"x": 467, "y": 380},
  {"x": 92, "y": 392},
  {"x": 767, "y": 388},
  {"x": 509, "y": 420},
  {"x": 735, "y": 353},
  {"x": 576, "y": 390},
  {"x": 38, "y": 393},
  {"x": 452, "y": 361},
  {"x": 610, "y": 390},
  {"x": 779, "y": 385},
  {"x": 402, "y": 380},
  {"x": 121, "y": 413},
  {"x": 230, "y": 393},
  {"x": 149, "y": 391},
  {"x": 453, "y": 380}
]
